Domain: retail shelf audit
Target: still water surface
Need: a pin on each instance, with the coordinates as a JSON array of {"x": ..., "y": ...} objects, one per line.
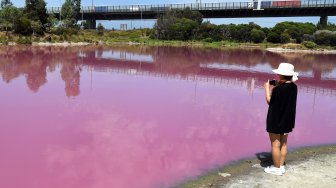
[{"x": 145, "y": 117}]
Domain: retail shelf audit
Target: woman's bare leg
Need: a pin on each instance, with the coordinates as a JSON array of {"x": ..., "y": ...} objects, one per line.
[
  {"x": 283, "y": 148},
  {"x": 276, "y": 153}
]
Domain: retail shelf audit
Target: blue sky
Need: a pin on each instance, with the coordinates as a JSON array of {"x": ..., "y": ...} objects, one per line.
[{"x": 265, "y": 22}]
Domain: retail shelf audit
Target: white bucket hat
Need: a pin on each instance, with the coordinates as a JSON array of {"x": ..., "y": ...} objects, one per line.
[{"x": 287, "y": 69}]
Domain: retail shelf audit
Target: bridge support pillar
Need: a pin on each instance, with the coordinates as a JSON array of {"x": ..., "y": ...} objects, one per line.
[
  {"x": 92, "y": 24},
  {"x": 323, "y": 21}
]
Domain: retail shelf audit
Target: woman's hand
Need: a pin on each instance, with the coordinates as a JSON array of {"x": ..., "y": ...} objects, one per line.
[{"x": 267, "y": 85}]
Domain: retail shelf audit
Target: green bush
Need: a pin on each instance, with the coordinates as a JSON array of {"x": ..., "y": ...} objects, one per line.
[
  {"x": 61, "y": 38},
  {"x": 257, "y": 35},
  {"x": 333, "y": 39},
  {"x": 307, "y": 37},
  {"x": 64, "y": 31},
  {"x": 65, "y": 37},
  {"x": 209, "y": 39},
  {"x": 241, "y": 32},
  {"x": 294, "y": 29},
  {"x": 182, "y": 29},
  {"x": 273, "y": 37},
  {"x": 325, "y": 37},
  {"x": 100, "y": 29},
  {"x": 23, "y": 26},
  {"x": 24, "y": 40},
  {"x": 309, "y": 44},
  {"x": 37, "y": 27},
  {"x": 285, "y": 38},
  {"x": 3, "y": 40}
]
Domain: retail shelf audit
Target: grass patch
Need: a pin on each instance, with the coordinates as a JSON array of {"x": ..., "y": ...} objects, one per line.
[{"x": 142, "y": 36}]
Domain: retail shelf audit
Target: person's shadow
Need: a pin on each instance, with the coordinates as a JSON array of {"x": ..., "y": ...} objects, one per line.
[{"x": 265, "y": 159}]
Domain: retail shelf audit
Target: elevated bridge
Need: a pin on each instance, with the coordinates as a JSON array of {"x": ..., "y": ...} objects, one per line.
[{"x": 245, "y": 9}]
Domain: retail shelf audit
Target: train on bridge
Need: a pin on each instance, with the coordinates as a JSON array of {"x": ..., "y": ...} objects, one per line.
[{"x": 275, "y": 4}]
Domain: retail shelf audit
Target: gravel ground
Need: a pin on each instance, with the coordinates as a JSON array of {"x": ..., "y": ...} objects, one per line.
[
  {"x": 306, "y": 167},
  {"x": 317, "y": 171}
]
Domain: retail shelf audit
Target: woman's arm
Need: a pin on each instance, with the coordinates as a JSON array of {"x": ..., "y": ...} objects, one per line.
[{"x": 267, "y": 92}]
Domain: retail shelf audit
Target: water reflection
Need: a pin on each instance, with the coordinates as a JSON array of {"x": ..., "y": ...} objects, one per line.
[
  {"x": 144, "y": 116},
  {"x": 250, "y": 67}
]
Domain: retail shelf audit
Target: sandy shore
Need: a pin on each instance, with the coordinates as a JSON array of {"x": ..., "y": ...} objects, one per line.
[
  {"x": 284, "y": 50},
  {"x": 61, "y": 44},
  {"x": 306, "y": 167}
]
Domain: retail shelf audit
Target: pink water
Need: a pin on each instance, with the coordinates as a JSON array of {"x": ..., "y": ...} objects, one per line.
[{"x": 94, "y": 117}]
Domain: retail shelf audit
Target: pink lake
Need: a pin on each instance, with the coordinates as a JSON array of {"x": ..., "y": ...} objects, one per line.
[{"x": 145, "y": 117}]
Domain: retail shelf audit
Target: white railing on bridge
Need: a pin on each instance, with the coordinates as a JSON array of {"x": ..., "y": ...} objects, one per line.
[{"x": 201, "y": 7}]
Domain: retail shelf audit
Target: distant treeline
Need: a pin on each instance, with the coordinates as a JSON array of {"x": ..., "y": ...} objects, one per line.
[
  {"x": 188, "y": 25},
  {"x": 183, "y": 25}
]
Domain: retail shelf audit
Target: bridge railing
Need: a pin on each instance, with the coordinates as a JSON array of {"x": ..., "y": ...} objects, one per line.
[
  {"x": 158, "y": 8},
  {"x": 318, "y": 3},
  {"x": 201, "y": 7}
]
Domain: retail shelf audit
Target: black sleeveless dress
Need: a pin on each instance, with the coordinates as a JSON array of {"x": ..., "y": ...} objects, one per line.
[{"x": 282, "y": 109}]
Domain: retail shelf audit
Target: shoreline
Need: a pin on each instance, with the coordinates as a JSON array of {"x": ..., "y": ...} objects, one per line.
[
  {"x": 243, "y": 172},
  {"x": 286, "y": 50},
  {"x": 263, "y": 46}
]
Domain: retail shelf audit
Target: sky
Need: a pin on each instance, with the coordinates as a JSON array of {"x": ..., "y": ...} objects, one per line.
[{"x": 264, "y": 22}]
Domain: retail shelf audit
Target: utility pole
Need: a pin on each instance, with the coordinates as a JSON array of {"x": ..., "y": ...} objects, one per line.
[
  {"x": 141, "y": 20},
  {"x": 199, "y": 4},
  {"x": 60, "y": 11}
]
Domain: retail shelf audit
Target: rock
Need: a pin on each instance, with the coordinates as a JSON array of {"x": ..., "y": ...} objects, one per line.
[
  {"x": 224, "y": 174},
  {"x": 257, "y": 166}
]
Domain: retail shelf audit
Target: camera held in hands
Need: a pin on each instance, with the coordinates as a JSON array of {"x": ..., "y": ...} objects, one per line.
[{"x": 273, "y": 82}]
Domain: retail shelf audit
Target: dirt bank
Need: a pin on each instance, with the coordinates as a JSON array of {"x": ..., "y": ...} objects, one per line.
[
  {"x": 306, "y": 167},
  {"x": 284, "y": 50}
]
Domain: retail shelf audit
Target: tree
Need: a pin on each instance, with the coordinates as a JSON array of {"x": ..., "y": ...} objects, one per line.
[
  {"x": 206, "y": 30},
  {"x": 5, "y": 3},
  {"x": 329, "y": 26},
  {"x": 242, "y": 32},
  {"x": 192, "y": 15},
  {"x": 325, "y": 37},
  {"x": 9, "y": 16},
  {"x": 52, "y": 22},
  {"x": 285, "y": 38},
  {"x": 168, "y": 25},
  {"x": 36, "y": 27},
  {"x": 70, "y": 10},
  {"x": 182, "y": 29},
  {"x": 87, "y": 25},
  {"x": 36, "y": 11},
  {"x": 273, "y": 37},
  {"x": 100, "y": 29},
  {"x": 294, "y": 29},
  {"x": 23, "y": 26},
  {"x": 257, "y": 35}
]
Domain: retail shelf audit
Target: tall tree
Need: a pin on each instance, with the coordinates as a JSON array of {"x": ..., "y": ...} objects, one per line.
[
  {"x": 5, "y": 3},
  {"x": 9, "y": 16},
  {"x": 70, "y": 11},
  {"x": 178, "y": 24},
  {"x": 36, "y": 10},
  {"x": 77, "y": 5}
]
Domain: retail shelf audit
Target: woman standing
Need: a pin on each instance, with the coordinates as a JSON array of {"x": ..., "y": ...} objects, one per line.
[{"x": 281, "y": 114}]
